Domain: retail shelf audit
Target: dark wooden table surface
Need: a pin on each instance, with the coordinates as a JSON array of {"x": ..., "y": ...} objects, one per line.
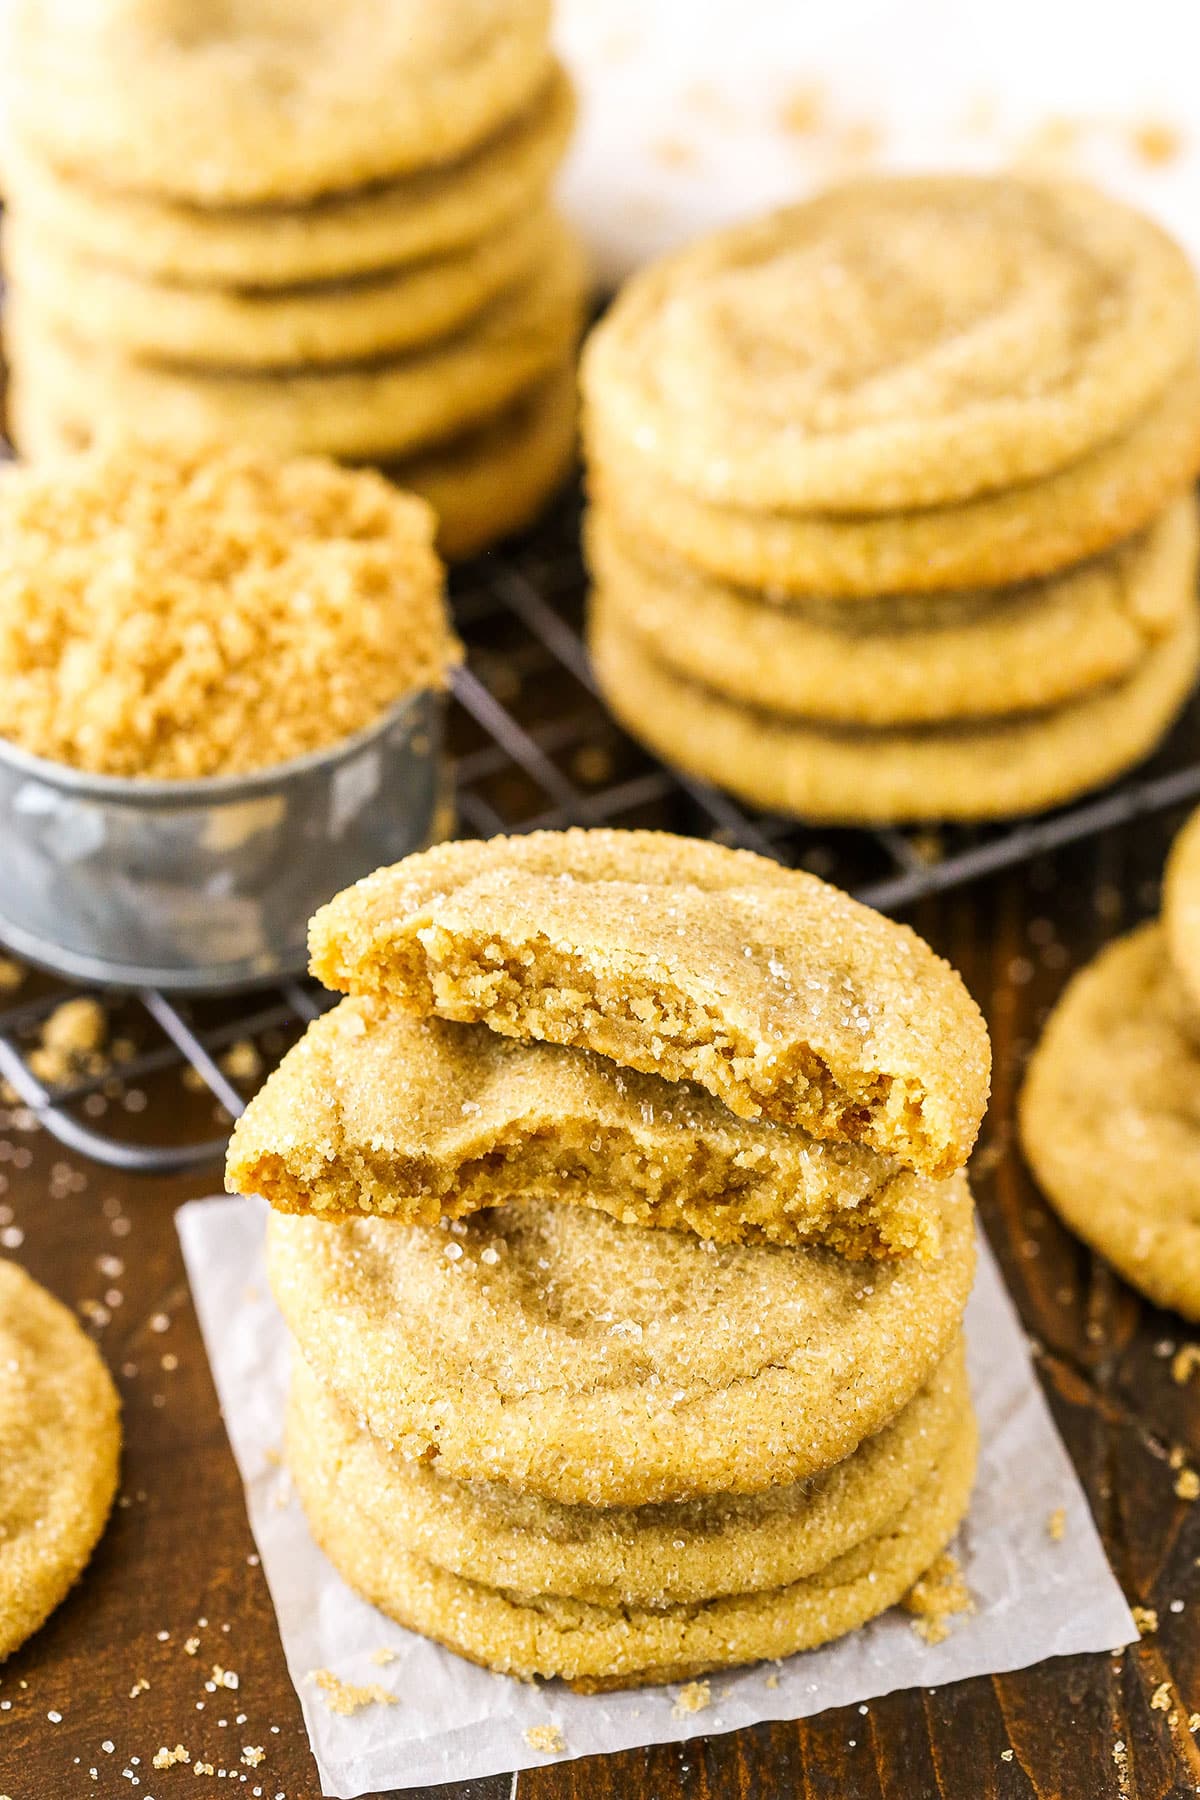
[{"x": 178, "y": 1560}]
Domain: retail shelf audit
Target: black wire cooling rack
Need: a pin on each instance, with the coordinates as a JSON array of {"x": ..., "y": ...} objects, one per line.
[{"x": 531, "y": 745}]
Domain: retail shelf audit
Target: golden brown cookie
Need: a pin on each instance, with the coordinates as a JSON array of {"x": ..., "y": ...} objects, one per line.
[
  {"x": 432, "y": 212},
  {"x": 1110, "y": 1117},
  {"x": 595, "y": 1646},
  {"x": 60, "y": 1444},
  {"x": 1028, "y": 530},
  {"x": 553, "y": 1350},
  {"x": 648, "y": 1555},
  {"x": 896, "y": 342},
  {"x": 495, "y": 480},
  {"x": 981, "y": 770},
  {"x": 779, "y": 994},
  {"x": 383, "y": 314},
  {"x": 911, "y": 659},
  {"x": 167, "y": 641},
  {"x": 382, "y": 409},
  {"x": 376, "y": 1112},
  {"x": 266, "y": 100},
  {"x": 1181, "y": 908}
]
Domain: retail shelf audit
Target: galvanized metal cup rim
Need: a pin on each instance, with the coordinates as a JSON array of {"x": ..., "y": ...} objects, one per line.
[{"x": 136, "y": 791}]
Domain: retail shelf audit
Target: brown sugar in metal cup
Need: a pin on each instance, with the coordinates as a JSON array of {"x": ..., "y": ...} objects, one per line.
[{"x": 220, "y": 702}]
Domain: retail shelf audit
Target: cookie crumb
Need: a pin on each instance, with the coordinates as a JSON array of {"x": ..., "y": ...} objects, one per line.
[
  {"x": 693, "y": 1697},
  {"x": 1187, "y": 1484},
  {"x": 167, "y": 1759},
  {"x": 383, "y": 1656},
  {"x": 1145, "y": 1618},
  {"x": 253, "y": 1755},
  {"x": 191, "y": 1645},
  {"x": 242, "y": 1061},
  {"x": 802, "y": 111},
  {"x": 1160, "y": 1699},
  {"x": 11, "y": 975},
  {"x": 1056, "y": 1524},
  {"x": 772, "y": 1680},
  {"x": 1006, "y": 1756},
  {"x": 546, "y": 1738},
  {"x": 941, "y": 1592},
  {"x": 224, "y": 1678},
  {"x": 140, "y": 1686},
  {"x": 1156, "y": 142},
  {"x": 344, "y": 1698},
  {"x": 72, "y": 1038}
]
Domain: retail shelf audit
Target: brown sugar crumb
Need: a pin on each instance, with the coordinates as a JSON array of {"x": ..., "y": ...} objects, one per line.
[
  {"x": 546, "y": 1738},
  {"x": 1155, "y": 142},
  {"x": 1184, "y": 1363},
  {"x": 1146, "y": 1619},
  {"x": 242, "y": 1061},
  {"x": 343, "y": 1698},
  {"x": 1160, "y": 1699},
  {"x": 693, "y": 1697},
  {"x": 1187, "y": 1484},
  {"x": 185, "y": 614},
  {"x": 167, "y": 1759},
  {"x": 72, "y": 1038},
  {"x": 941, "y": 1592},
  {"x": 803, "y": 110},
  {"x": 1056, "y": 1524}
]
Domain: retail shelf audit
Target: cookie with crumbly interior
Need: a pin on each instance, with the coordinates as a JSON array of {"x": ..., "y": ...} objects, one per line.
[
  {"x": 495, "y": 480},
  {"x": 384, "y": 314},
  {"x": 1032, "y": 529},
  {"x": 906, "y": 659},
  {"x": 376, "y": 1112},
  {"x": 380, "y": 409},
  {"x": 895, "y": 342},
  {"x": 550, "y": 1348},
  {"x": 429, "y": 213},
  {"x": 60, "y": 1446},
  {"x": 985, "y": 769},
  {"x": 648, "y": 1555},
  {"x": 594, "y": 1646},
  {"x": 777, "y": 993},
  {"x": 1110, "y": 1117},
  {"x": 1181, "y": 908},
  {"x": 266, "y": 100}
]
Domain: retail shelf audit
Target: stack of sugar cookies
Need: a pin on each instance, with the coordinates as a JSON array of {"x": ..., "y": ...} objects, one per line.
[
  {"x": 631, "y": 1252},
  {"x": 888, "y": 499},
  {"x": 1110, "y": 1115},
  {"x": 312, "y": 227}
]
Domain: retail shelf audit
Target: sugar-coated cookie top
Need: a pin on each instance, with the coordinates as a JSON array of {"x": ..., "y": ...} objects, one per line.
[
  {"x": 243, "y": 101},
  {"x": 180, "y": 616},
  {"x": 776, "y": 992},
  {"x": 60, "y": 1439},
  {"x": 896, "y": 342}
]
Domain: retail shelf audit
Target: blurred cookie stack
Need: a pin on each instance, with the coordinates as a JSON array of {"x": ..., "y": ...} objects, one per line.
[
  {"x": 310, "y": 227},
  {"x": 888, "y": 499},
  {"x": 630, "y": 1254}
]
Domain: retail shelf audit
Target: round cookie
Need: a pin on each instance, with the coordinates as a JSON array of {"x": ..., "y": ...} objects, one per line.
[
  {"x": 906, "y": 659},
  {"x": 363, "y": 411},
  {"x": 60, "y": 1445},
  {"x": 638, "y": 1556},
  {"x": 897, "y": 342},
  {"x": 984, "y": 770},
  {"x": 496, "y": 480},
  {"x": 1110, "y": 1122},
  {"x": 266, "y": 100},
  {"x": 223, "y": 328},
  {"x": 429, "y": 213},
  {"x": 549, "y": 1348},
  {"x": 1181, "y": 908},
  {"x": 600, "y": 1647},
  {"x": 1028, "y": 530}
]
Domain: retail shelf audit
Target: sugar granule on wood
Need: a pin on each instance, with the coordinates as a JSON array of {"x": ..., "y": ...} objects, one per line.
[
  {"x": 693, "y": 1697},
  {"x": 344, "y": 1698},
  {"x": 186, "y": 614},
  {"x": 547, "y": 1739}
]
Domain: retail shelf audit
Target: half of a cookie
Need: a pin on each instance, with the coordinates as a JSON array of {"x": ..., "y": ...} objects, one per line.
[{"x": 778, "y": 994}]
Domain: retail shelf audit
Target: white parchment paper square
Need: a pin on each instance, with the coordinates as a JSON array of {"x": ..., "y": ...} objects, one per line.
[{"x": 1035, "y": 1597}]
